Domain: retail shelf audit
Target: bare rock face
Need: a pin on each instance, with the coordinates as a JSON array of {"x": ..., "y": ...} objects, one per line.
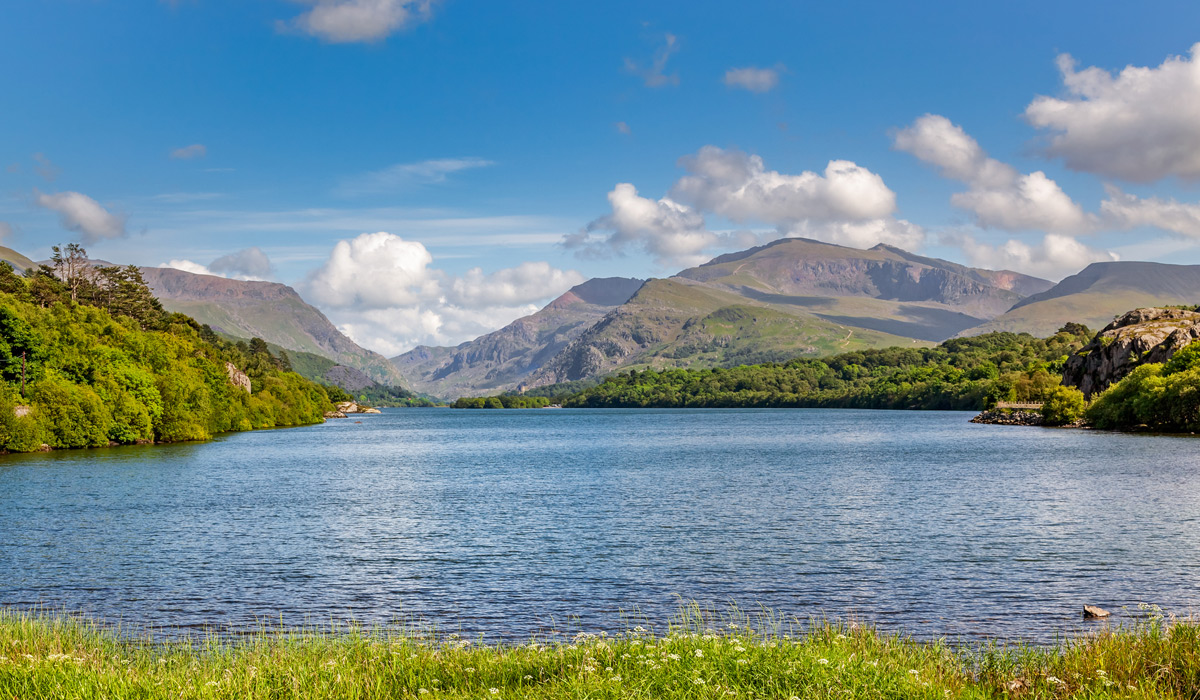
[
  {"x": 1139, "y": 337},
  {"x": 237, "y": 377}
]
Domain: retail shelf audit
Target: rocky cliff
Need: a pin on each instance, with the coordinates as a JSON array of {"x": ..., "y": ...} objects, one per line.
[{"x": 1139, "y": 337}]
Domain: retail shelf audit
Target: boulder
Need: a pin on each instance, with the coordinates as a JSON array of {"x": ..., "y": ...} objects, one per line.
[
  {"x": 237, "y": 377},
  {"x": 1092, "y": 612},
  {"x": 369, "y": 410},
  {"x": 1139, "y": 337},
  {"x": 1003, "y": 417},
  {"x": 347, "y": 407},
  {"x": 334, "y": 414}
]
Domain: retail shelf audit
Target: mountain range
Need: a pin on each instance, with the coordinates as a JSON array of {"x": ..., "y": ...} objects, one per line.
[{"x": 793, "y": 297}]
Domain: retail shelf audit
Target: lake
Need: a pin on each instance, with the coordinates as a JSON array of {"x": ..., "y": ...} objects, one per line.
[{"x": 506, "y": 523}]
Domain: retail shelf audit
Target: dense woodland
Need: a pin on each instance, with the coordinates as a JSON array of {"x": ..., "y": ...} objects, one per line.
[
  {"x": 959, "y": 374},
  {"x": 89, "y": 357},
  {"x": 1158, "y": 396}
]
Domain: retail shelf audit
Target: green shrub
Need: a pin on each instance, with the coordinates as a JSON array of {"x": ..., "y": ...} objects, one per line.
[{"x": 1063, "y": 405}]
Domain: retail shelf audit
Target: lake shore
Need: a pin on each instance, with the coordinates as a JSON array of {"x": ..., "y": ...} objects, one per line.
[{"x": 64, "y": 657}]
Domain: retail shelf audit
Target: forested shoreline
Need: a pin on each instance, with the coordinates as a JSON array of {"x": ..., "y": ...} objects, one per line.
[{"x": 88, "y": 358}]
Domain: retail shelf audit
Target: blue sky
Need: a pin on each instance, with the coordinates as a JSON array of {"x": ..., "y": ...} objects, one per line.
[{"x": 425, "y": 171}]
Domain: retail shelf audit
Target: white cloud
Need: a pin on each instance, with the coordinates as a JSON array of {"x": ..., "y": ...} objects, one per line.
[
  {"x": 513, "y": 286},
  {"x": 756, "y": 80},
  {"x": 82, "y": 214},
  {"x": 673, "y": 233},
  {"x": 249, "y": 263},
  {"x": 999, "y": 196},
  {"x": 384, "y": 292},
  {"x": 401, "y": 175},
  {"x": 6, "y": 231},
  {"x": 861, "y": 234},
  {"x": 345, "y": 21},
  {"x": 623, "y": 128},
  {"x": 655, "y": 74},
  {"x": 1126, "y": 211},
  {"x": 1142, "y": 125},
  {"x": 188, "y": 266},
  {"x": 847, "y": 204},
  {"x": 738, "y": 186},
  {"x": 196, "y": 150},
  {"x": 1054, "y": 258}
]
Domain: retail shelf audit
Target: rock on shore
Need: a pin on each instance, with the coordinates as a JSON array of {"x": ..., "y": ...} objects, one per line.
[
  {"x": 1139, "y": 337},
  {"x": 999, "y": 417}
]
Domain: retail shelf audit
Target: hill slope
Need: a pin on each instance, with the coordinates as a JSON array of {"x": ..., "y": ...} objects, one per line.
[
  {"x": 499, "y": 361},
  {"x": 794, "y": 297},
  {"x": 1097, "y": 295},
  {"x": 267, "y": 310}
]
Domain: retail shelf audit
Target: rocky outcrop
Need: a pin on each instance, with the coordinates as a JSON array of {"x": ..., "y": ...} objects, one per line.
[
  {"x": 349, "y": 378},
  {"x": 1001, "y": 417},
  {"x": 237, "y": 377},
  {"x": 1139, "y": 337},
  {"x": 348, "y": 407}
]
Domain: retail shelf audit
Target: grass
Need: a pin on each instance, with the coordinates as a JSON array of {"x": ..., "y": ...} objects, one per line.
[{"x": 48, "y": 656}]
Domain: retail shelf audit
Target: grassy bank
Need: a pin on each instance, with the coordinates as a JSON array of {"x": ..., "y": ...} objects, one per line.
[{"x": 56, "y": 657}]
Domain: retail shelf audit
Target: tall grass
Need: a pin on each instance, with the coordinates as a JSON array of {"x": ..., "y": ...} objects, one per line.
[{"x": 54, "y": 656}]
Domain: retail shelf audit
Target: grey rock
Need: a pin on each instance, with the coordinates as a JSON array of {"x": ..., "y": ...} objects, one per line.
[{"x": 1139, "y": 337}]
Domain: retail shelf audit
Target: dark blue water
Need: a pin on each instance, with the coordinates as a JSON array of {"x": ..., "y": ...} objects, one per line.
[{"x": 510, "y": 522}]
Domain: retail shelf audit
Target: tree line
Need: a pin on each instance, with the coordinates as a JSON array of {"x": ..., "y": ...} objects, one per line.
[{"x": 89, "y": 357}]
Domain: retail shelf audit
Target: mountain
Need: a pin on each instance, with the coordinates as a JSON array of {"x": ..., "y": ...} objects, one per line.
[
  {"x": 786, "y": 299},
  {"x": 1098, "y": 294},
  {"x": 267, "y": 310},
  {"x": 500, "y": 360},
  {"x": 19, "y": 262}
]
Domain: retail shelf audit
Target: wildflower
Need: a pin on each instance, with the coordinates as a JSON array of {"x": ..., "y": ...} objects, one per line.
[
  {"x": 913, "y": 672},
  {"x": 673, "y": 657},
  {"x": 422, "y": 691},
  {"x": 823, "y": 662},
  {"x": 608, "y": 669},
  {"x": 739, "y": 648},
  {"x": 742, "y": 661},
  {"x": 528, "y": 678},
  {"x": 494, "y": 691},
  {"x": 616, "y": 679},
  {"x": 1055, "y": 681},
  {"x": 469, "y": 669},
  {"x": 699, "y": 654},
  {"x": 1100, "y": 672},
  {"x": 698, "y": 681}
]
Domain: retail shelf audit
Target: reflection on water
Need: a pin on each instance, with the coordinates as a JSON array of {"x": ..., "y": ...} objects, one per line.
[{"x": 508, "y": 522}]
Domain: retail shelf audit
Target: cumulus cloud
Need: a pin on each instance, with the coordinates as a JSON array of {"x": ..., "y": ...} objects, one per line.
[
  {"x": 756, "y": 80},
  {"x": 1141, "y": 125},
  {"x": 82, "y": 214},
  {"x": 846, "y": 204},
  {"x": 425, "y": 172},
  {"x": 999, "y": 196},
  {"x": 188, "y": 266},
  {"x": 1125, "y": 211},
  {"x": 673, "y": 233},
  {"x": 249, "y": 263},
  {"x": 346, "y": 21},
  {"x": 196, "y": 150},
  {"x": 386, "y": 294},
  {"x": 654, "y": 75},
  {"x": 738, "y": 186},
  {"x": 1054, "y": 258}
]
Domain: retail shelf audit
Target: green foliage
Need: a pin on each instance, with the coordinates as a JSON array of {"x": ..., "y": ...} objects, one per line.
[
  {"x": 959, "y": 374},
  {"x": 514, "y": 401},
  {"x": 112, "y": 367},
  {"x": 1162, "y": 397},
  {"x": 1063, "y": 405}
]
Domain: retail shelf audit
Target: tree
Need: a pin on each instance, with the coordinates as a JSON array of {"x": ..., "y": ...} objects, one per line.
[
  {"x": 21, "y": 351},
  {"x": 72, "y": 266}
]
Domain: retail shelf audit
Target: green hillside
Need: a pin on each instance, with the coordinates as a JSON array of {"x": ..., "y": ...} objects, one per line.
[{"x": 112, "y": 367}]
